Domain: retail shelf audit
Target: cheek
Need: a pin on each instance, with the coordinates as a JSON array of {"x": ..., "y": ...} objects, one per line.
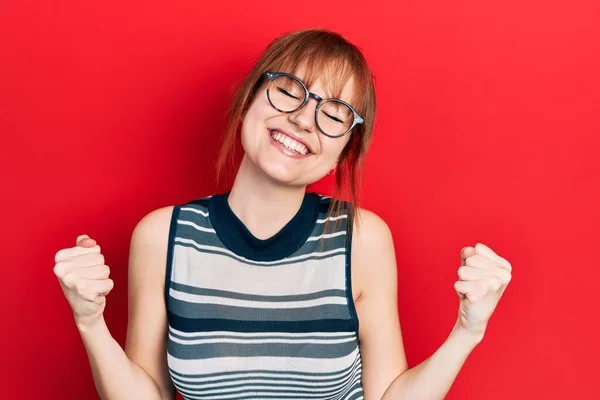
[
  {"x": 332, "y": 148},
  {"x": 253, "y": 121}
]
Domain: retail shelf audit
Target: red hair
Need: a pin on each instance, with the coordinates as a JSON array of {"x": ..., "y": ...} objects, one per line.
[{"x": 320, "y": 51}]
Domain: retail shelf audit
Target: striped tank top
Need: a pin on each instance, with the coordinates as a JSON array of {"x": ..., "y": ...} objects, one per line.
[{"x": 253, "y": 318}]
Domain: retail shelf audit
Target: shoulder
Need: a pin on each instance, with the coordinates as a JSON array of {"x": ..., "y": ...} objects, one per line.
[
  {"x": 149, "y": 244},
  {"x": 373, "y": 256},
  {"x": 154, "y": 226},
  {"x": 152, "y": 231},
  {"x": 369, "y": 229}
]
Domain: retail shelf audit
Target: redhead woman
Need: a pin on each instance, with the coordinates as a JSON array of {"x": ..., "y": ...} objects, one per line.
[{"x": 269, "y": 291}]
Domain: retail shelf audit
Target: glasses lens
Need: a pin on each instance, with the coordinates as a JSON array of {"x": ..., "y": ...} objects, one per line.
[
  {"x": 286, "y": 94},
  {"x": 334, "y": 117}
]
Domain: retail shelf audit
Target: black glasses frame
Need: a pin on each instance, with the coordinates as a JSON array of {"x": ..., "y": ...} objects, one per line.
[{"x": 307, "y": 95}]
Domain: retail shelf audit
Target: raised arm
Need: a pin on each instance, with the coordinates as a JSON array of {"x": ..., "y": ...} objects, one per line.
[
  {"x": 140, "y": 372},
  {"x": 483, "y": 277}
]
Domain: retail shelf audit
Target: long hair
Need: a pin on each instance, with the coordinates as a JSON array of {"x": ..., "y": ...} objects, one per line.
[{"x": 319, "y": 50}]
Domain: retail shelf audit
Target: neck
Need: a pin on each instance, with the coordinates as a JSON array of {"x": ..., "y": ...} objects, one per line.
[{"x": 263, "y": 205}]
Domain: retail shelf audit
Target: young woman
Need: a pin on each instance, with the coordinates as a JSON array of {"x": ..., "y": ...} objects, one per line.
[{"x": 269, "y": 291}]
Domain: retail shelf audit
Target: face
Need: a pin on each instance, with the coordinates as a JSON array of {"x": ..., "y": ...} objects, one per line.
[{"x": 264, "y": 127}]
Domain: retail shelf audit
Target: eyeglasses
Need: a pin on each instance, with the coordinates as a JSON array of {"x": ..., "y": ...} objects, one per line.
[{"x": 287, "y": 93}]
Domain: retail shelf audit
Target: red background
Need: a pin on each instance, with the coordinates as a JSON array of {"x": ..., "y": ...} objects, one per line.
[{"x": 487, "y": 131}]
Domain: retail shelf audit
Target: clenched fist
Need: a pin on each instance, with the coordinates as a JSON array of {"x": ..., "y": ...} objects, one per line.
[
  {"x": 483, "y": 278},
  {"x": 84, "y": 279}
]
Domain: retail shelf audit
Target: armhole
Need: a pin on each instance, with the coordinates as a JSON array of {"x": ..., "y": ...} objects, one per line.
[
  {"x": 170, "y": 250},
  {"x": 349, "y": 298}
]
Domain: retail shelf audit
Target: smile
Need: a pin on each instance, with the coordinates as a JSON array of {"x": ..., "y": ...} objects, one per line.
[{"x": 288, "y": 145}]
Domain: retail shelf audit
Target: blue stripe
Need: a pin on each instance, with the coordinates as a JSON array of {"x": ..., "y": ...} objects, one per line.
[{"x": 211, "y": 324}]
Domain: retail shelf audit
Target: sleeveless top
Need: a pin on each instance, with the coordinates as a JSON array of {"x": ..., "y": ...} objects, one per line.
[{"x": 261, "y": 319}]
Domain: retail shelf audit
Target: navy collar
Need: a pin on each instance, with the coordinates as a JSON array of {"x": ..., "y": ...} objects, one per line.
[{"x": 237, "y": 238}]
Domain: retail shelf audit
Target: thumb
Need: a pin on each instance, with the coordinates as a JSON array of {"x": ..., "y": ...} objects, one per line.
[{"x": 85, "y": 241}]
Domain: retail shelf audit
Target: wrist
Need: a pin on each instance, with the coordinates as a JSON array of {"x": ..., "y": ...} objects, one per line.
[
  {"x": 468, "y": 337},
  {"x": 88, "y": 325}
]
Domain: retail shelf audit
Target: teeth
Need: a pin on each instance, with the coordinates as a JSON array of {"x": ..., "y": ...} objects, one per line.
[{"x": 290, "y": 143}]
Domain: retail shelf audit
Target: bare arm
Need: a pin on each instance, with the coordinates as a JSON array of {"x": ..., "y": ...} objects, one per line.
[
  {"x": 147, "y": 328},
  {"x": 433, "y": 378},
  {"x": 139, "y": 372},
  {"x": 385, "y": 370},
  {"x": 374, "y": 278}
]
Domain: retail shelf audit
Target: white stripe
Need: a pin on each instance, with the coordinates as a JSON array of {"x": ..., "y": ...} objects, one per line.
[
  {"x": 194, "y": 210},
  {"x": 259, "y": 341},
  {"x": 223, "y": 301},
  {"x": 309, "y": 386},
  {"x": 326, "y": 236},
  {"x": 320, "y": 221},
  {"x": 233, "y": 396},
  {"x": 343, "y": 380},
  {"x": 353, "y": 392},
  {"x": 242, "y": 364},
  {"x": 255, "y": 334},
  {"x": 197, "y": 227},
  {"x": 314, "y": 380},
  {"x": 207, "y": 390},
  {"x": 229, "y": 252},
  {"x": 357, "y": 378},
  {"x": 213, "y": 271}
]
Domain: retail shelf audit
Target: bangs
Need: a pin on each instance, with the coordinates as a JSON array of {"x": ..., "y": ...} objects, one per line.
[
  {"x": 311, "y": 55},
  {"x": 336, "y": 66}
]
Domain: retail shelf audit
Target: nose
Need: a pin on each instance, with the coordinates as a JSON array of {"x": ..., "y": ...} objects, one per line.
[{"x": 304, "y": 118}]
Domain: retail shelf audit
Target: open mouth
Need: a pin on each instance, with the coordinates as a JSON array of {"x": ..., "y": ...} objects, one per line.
[{"x": 288, "y": 143}]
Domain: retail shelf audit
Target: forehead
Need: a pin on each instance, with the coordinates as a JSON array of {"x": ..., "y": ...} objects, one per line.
[{"x": 327, "y": 79}]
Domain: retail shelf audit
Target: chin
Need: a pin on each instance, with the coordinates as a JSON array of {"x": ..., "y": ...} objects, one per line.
[{"x": 279, "y": 173}]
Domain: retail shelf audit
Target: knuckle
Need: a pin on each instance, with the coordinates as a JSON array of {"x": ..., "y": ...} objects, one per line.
[
  {"x": 70, "y": 280},
  {"x": 61, "y": 255},
  {"x": 60, "y": 268},
  {"x": 105, "y": 271},
  {"x": 496, "y": 283}
]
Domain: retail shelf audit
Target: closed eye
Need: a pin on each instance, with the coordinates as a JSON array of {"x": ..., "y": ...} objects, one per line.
[
  {"x": 285, "y": 92},
  {"x": 332, "y": 117}
]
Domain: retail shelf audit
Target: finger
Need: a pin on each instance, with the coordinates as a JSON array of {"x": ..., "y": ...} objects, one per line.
[
  {"x": 90, "y": 289},
  {"x": 466, "y": 252},
  {"x": 484, "y": 250},
  {"x": 87, "y": 260},
  {"x": 104, "y": 287},
  {"x": 467, "y": 273},
  {"x": 472, "y": 290},
  {"x": 479, "y": 261},
  {"x": 97, "y": 272},
  {"x": 66, "y": 254}
]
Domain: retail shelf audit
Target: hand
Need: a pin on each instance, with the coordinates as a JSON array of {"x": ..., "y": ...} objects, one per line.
[
  {"x": 483, "y": 277},
  {"x": 84, "y": 279}
]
